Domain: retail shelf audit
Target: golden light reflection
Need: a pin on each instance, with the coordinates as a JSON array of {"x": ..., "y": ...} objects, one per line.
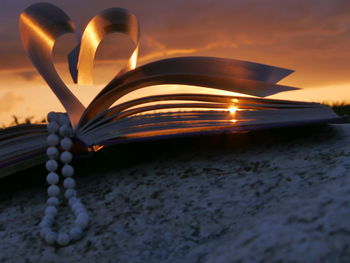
[
  {"x": 27, "y": 22},
  {"x": 95, "y": 148},
  {"x": 232, "y": 109}
]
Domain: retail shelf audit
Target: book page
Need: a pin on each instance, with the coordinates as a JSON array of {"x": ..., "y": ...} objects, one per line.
[{"x": 219, "y": 73}]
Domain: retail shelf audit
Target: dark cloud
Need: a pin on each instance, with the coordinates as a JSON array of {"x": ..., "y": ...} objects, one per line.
[{"x": 28, "y": 75}]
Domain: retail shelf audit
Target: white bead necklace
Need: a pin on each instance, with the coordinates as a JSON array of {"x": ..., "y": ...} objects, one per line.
[{"x": 60, "y": 133}]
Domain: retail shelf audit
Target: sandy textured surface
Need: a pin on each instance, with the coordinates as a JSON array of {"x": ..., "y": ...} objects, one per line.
[{"x": 284, "y": 200}]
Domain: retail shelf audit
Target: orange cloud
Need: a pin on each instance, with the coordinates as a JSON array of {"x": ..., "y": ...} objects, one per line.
[{"x": 9, "y": 100}]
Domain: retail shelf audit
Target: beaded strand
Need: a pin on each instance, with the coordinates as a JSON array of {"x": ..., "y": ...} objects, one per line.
[{"x": 60, "y": 133}]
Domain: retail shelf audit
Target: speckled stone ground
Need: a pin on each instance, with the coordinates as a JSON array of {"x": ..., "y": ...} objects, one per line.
[{"x": 277, "y": 201}]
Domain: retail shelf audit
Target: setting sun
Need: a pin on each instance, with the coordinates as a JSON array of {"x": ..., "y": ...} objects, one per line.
[{"x": 232, "y": 109}]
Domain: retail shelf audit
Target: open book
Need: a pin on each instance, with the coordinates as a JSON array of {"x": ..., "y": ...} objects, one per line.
[{"x": 152, "y": 117}]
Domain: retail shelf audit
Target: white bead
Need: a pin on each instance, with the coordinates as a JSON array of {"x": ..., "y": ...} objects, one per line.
[
  {"x": 50, "y": 237},
  {"x": 76, "y": 232},
  {"x": 75, "y": 207},
  {"x": 63, "y": 239},
  {"x": 52, "y": 152},
  {"x": 44, "y": 231},
  {"x": 76, "y": 204},
  {"x": 51, "y": 165},
  {"x": 78, "y": 209},
  {"x": 52, "y": 127},
  {"x": 73, "y": 200},
  {"x": 67, "y": 170},
  {"x": 52, "y": 178},
  {"x": 52, "y": 116},
  {"x": 51, "y": 210},
  {"x": 45, "y": 223},
  {"x": 66, "y": 143},
  {"x": 53, "y": 190},
  {"x": 69, "y": 183},
  {"x": 49, "y": 218},
  {"x": 83, "y": 223},
  {"x": 53, "y": 201},
  {"x": 65, "y": 130},
  {"x": 52, "y": 140},
  {"x": 63, "y": 119},
  {"x": 82, "y": 220},
  {"x": 70, "y": 193},
  {"x": 66, "y": 157},
  {"x": 83, "y": 216}
]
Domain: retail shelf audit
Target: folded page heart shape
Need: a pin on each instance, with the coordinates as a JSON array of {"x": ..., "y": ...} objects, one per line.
[{"x": 43, "y": 23}]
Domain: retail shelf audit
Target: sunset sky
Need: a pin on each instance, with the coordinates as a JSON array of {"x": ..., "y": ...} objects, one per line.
[{"x": 311, "y": 37}]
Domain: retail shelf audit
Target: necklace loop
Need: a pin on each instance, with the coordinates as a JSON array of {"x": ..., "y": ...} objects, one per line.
[{"x": 59, "y": 143}]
